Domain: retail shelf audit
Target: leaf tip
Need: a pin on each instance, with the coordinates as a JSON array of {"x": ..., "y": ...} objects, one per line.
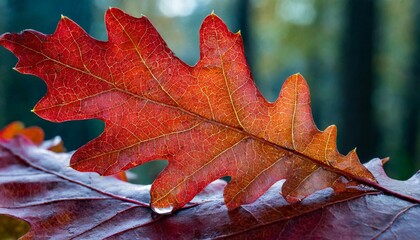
[
  {"x": 332, "y": 129},
  {"x": 298, "y": 75},
  {"x": 3, "y": 36},
  {"x": 297, "y": 78},
  {"x": 352, "y": 153},
  {"x": 385, "y": 160},
  {"x": 113, "y": 9}
]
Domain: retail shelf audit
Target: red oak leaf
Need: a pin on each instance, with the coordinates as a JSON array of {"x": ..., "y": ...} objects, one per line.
[{"x": 208, "y": 120}]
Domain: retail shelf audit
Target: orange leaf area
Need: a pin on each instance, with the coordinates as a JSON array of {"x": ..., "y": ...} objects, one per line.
[
  {"x": 35, "y": 134},
  {"x": 207, "y": 120}
]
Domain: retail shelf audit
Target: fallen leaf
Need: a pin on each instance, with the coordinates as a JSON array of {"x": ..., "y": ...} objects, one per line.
[
  {"x": 37, "y": 186},
  {"x": 35, "y": 134}
]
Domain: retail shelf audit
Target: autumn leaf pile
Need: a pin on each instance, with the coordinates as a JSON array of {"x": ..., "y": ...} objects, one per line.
[{"x": 207, "y": 120}]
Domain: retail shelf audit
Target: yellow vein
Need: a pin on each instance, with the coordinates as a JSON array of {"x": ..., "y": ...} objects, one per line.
[
  {"x": 326, "y": 148},
  {"x": 226, "y": 81},
  {"x": 304, "y": 179},
  {"x": 199, "y": 169},
  {"x": 140, "y": 142},
  {"x": 144, "y": 61},
  {"x": 294, "y": 114},
  {"x": 256, "y": 176}
]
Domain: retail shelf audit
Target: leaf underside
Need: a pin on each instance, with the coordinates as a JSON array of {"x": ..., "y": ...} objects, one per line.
[
  {"x": 207, "y": 120},
  {"x": 86, "y": 206}
]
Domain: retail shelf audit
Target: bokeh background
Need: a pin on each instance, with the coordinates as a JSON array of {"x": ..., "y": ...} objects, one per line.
[{"x": 360, "y": 58}]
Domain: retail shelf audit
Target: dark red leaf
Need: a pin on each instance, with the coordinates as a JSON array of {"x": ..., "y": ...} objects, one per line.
[{"x": 61, "y": 203}]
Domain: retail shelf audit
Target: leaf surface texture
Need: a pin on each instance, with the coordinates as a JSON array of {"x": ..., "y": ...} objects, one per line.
[{"x": 207, "y": 120}]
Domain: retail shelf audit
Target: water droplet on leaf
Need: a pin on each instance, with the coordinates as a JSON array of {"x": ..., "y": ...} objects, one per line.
[{"x": 164, "y": 210}]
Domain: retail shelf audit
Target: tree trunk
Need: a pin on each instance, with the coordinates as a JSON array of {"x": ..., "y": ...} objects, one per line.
[
  {"x": 411, "y": 125},
  {"x": 358, "y": 127}
]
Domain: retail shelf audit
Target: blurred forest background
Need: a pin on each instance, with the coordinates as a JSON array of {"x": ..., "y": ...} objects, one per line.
[{"x": 360, "y": 58}]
